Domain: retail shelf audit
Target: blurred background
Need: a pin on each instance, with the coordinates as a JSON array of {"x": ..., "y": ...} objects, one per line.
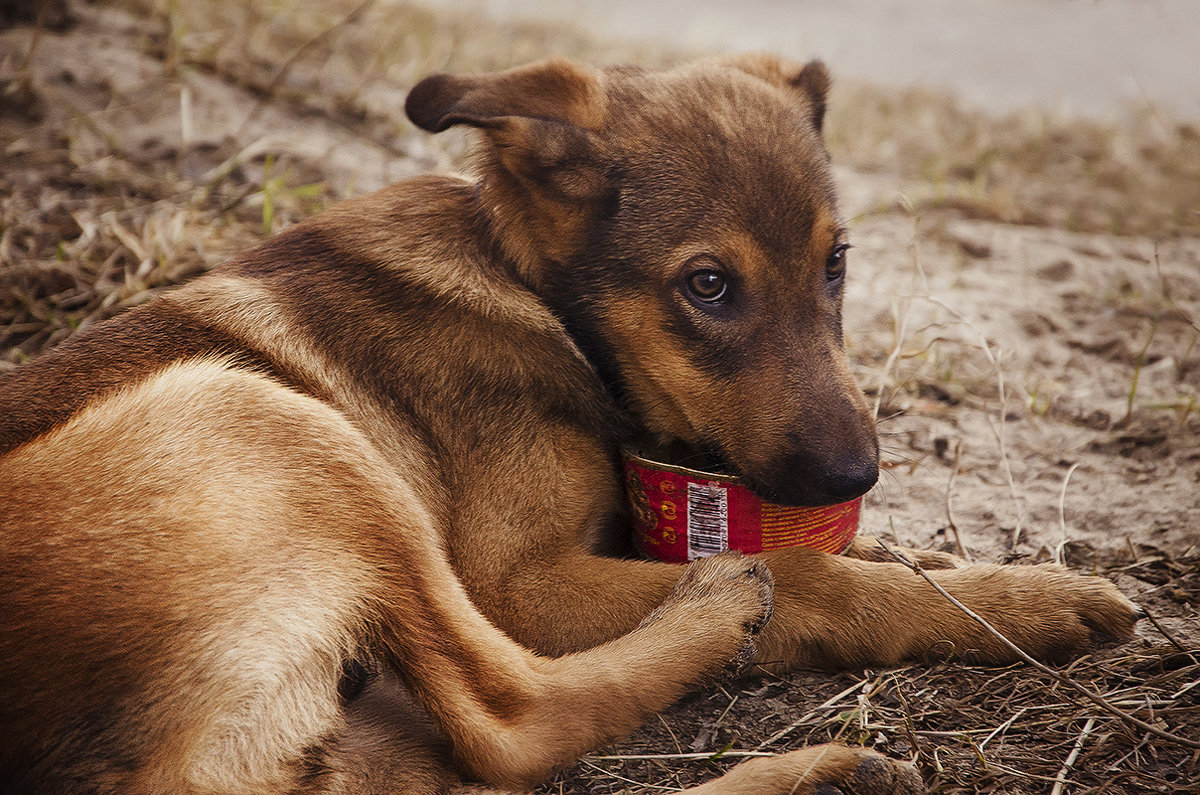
[{"x": 1094, "y": 57}]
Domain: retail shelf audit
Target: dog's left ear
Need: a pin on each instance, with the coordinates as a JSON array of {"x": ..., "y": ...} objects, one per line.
[
  {"x": 539, "y": 118},
  {"x": 811, "y": 80}
]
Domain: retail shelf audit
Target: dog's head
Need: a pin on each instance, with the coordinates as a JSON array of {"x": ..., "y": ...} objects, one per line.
[{"x": 684, "y": 226}]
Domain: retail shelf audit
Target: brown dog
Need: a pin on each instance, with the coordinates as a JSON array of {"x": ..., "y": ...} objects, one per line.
[{"x": 385, "y": 439}]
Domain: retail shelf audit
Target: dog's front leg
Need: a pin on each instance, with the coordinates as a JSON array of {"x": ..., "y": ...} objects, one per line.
[
  {"x": 577, "y": 600},
  {"x": 832, "y": 611},
  {"x": 840, "y": 612},
  {"x": 865, "y": 547}
]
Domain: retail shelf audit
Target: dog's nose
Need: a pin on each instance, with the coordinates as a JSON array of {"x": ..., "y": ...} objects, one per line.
[
  {"x": 850, "y": 482},
  {"x": 805, "y": 479}
]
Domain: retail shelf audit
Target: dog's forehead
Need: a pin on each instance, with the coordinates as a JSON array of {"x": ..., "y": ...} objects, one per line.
[
  {"x": 718, "y": 148},
  {"x": 720, "y": 102}
]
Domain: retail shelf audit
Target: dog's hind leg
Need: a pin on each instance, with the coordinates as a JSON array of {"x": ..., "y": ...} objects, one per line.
[
  {"x": 170, "y": 619},
  {"x": 829, "y": 768},
  {"x": 189, "y": 562},
  {"x": 818, "y": 770}
]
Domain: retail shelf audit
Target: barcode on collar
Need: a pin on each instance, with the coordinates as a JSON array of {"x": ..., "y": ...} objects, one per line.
[{"x": 707, "y": 520}]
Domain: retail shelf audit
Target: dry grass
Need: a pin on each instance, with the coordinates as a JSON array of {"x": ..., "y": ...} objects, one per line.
[
  {"x": 110, "y": 190},
  {"x": 968, "y": 729}
]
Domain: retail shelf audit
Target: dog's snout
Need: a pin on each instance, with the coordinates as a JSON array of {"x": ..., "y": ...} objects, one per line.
[{"x": 821, "y": 463}]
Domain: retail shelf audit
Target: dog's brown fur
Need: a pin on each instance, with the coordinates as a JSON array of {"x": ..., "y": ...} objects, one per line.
[{"x": 385, "y": 439}]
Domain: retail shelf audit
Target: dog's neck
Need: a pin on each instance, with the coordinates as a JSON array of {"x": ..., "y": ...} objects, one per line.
[
  {"x": 522, "y": 251},
  {"x": 510, "y": 235},
  {"x": 531, "y": 230}
]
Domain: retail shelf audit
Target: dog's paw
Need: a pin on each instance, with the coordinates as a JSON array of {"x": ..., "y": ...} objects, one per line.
[
  {"x": 728, "y": 590},
  {"x": 1093, "y": 611},
  {"x": 877, "y": 775},
  {"x": 747, "y": 579},
  {"x": 872, "y": 774},
  {"x": 731, "y": 575},
  {"x": 1050, "y": 613}
]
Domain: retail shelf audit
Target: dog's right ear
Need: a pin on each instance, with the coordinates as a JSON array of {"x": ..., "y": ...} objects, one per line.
[
  {"x": 539, "y": 118},
  {"x": 811, "y": 80}
]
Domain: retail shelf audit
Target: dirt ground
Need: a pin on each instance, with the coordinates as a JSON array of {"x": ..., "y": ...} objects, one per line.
[{"x": 1023, "y": 310}]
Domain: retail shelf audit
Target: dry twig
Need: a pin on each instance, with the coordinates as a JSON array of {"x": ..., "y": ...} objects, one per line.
[
  {"x": 959, "y": 549},
  {"x": 830, "y": 702},
  {"x": 1061, "y": 780},
  {"x": 1062, "y": 515},
  {"x": 282, "y": 73}
]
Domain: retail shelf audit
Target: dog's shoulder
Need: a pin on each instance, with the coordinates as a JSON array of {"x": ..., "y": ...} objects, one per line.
[
  {"x": 399, "y": 289},
  {"x": 407, "y": 291}
]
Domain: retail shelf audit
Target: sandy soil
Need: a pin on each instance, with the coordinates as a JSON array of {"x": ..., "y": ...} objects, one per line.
[
  {"x": 1038, "y": 383},
  {"x": 1060, "y": 366}
]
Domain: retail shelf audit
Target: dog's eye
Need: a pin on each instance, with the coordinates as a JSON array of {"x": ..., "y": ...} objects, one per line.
[
  {"x": 835, "y": 266},
  {"x": 708, "y": 285}
]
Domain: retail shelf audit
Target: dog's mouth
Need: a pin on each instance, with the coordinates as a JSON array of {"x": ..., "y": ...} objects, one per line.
[
  {"x": 801, "y": 487},
  {"x": 705, "y": 458}
]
